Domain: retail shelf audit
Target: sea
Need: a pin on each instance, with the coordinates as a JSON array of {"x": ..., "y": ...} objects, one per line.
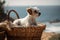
[{"x": 48, "y": 13}]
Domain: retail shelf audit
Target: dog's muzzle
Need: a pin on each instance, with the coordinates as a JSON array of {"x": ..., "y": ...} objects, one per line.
[{"x": 39, "y": 13}]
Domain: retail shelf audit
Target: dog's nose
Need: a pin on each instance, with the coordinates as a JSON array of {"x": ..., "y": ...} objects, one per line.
[{"x": 39, "y": 13}]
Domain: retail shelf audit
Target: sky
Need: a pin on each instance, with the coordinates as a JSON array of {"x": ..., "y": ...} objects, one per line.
[{"x": 31, "y": 2}]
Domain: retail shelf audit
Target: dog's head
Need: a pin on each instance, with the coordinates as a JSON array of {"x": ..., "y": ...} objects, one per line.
[{"x": 34, "y": 11}]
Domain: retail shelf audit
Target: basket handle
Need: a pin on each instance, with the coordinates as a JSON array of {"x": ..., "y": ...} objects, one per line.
[{"x": 14, "y": 12}]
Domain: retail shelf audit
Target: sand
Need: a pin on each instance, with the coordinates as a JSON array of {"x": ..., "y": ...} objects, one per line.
[{"x": 50, "y": 36}]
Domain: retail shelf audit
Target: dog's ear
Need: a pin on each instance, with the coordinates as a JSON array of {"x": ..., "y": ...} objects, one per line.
[{"x": 29, "y": 10}]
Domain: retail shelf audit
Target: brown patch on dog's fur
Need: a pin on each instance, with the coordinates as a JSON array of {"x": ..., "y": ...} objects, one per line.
[{"x": 29, "y": 11}]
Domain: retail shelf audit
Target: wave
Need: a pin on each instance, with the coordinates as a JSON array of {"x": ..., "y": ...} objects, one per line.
[{"x": 54, "y": 27}]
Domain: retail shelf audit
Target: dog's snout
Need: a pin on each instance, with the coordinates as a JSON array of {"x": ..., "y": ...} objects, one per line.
[{"x": 39, "y": 13}]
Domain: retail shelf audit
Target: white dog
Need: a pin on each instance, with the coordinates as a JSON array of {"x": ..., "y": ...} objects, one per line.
[{"x": 29, "y": 20}]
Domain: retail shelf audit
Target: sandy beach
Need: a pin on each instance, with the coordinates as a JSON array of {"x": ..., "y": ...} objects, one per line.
[{"x": 50, "y": 36}]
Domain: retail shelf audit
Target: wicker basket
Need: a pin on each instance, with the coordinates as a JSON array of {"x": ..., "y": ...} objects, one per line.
[
  {"x": 25, "y": 33},
  {"x": 2, "y": 35}
]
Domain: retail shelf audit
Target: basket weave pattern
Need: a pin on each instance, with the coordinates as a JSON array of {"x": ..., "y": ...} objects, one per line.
[
  {"x": 25, "y": 33},
  {"x": 2, "y": 35}
]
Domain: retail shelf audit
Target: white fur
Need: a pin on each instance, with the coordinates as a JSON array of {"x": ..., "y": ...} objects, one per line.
[{"x": 28, "y": 20}]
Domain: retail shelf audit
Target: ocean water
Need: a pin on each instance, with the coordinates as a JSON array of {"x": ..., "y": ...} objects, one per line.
[{"x": 48, "y": 13}]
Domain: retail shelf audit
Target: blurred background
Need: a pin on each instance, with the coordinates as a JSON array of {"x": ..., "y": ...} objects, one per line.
[{"x": 50, "y": 9}]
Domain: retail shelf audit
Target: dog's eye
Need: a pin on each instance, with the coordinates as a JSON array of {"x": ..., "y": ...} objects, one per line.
[{"x": 35, "y": 11}]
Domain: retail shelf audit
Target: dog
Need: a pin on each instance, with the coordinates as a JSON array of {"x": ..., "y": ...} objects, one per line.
[{"x": 30, "y": 19}]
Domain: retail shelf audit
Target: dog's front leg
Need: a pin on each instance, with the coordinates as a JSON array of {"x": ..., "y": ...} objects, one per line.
[{"x": 27, "y": 25}]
